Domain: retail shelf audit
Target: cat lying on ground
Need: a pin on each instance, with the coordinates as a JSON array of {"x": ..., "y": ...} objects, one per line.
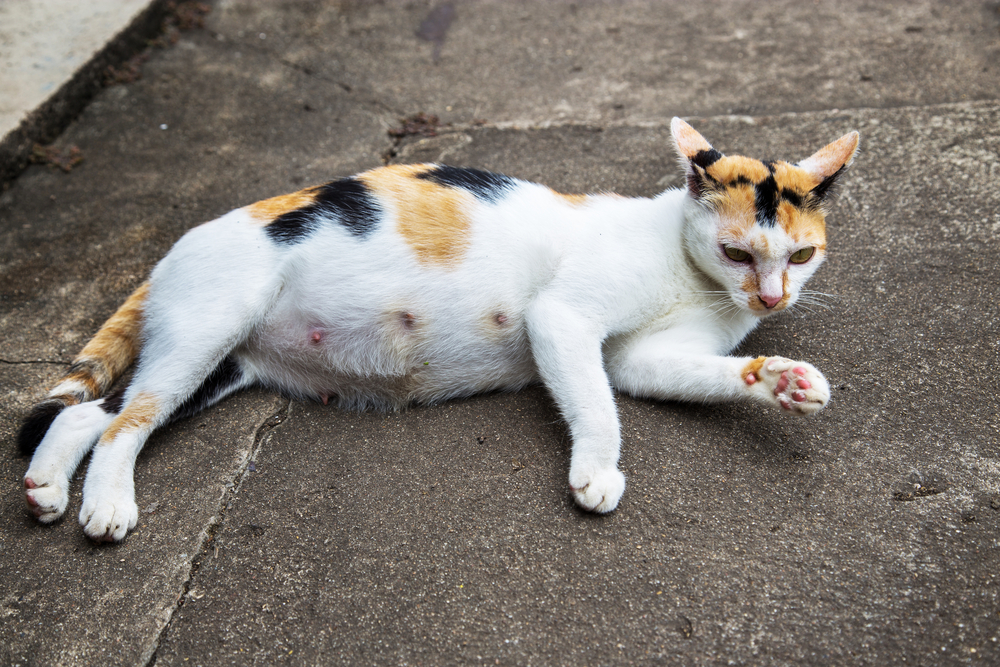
[{"x": 420, "y": 283}]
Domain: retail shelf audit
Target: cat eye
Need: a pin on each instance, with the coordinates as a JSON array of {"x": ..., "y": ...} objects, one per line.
[
  {"x": 801, "y": 256},
  {"x": 736, "y": 254}
]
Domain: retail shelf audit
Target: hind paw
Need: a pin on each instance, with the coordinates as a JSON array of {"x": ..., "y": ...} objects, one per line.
[
  {"x": 795, "y": 387},
  {"x": 108, "y": 516},
  {"x": 46, "y": 498}
]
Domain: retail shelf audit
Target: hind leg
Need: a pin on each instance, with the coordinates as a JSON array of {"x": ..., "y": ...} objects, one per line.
[
  {"x": 109, "y": 509},
  {"x": 71, "y": 436}
]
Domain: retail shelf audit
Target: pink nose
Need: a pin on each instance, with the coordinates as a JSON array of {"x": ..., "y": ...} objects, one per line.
[{"x": 770, "y": 301}]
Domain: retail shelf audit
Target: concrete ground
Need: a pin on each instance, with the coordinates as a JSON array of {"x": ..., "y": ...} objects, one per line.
[{"x": 284, "y": 532}]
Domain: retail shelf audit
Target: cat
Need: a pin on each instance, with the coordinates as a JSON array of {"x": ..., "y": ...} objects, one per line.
[{"x": 420, "y": 283}]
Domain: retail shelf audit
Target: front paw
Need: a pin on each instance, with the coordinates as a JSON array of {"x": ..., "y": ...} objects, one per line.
[
  {"x": 46, "y": 495},
  {"x": 107, "y": 516},
  {"x": 796, "y": 387},
  {"x": 597, "y": 489}
]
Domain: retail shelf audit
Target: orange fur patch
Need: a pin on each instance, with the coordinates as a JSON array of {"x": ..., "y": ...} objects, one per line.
[
  {"x": 753, "y": 368},
  {"x": 790, "y": 177},
  {"x": 138, "y": 414},
  {"x": 115, "y": 346},
  {"x": 572, "y": 200},
  {"x": 689, "y": 141},
  {"x": 432, "y": 218},
  {"x": 268, "y": 210},
  {"x": 736, "y": 209},
  {"x": 730, "y": 168}
]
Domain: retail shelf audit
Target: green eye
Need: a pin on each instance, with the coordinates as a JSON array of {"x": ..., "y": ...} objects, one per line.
[
  {"x": 736, "y": 254},
  {"x": 802, "y": 256}
]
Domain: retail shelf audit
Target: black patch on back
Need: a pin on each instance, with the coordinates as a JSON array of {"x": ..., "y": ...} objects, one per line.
[
  {"x": 484, "y": 185},
  {"x": 226, "y": 377},
  {"x": 112, "y": 404},
  {"x": 37, "y": 424},
  {"x": 347, "y": 201}
]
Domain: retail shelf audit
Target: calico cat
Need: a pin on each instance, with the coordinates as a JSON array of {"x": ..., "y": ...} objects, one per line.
[{"x": 419, "y": 283}]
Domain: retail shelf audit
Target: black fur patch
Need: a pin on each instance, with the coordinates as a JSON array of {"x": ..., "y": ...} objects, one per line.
[
  {"x": 221, "y": 382},
  {"x": 484, "y": 185},
  {"x": 706, "y": 159},
  {"x": 766, "y": 201},
  {"x": 112, "y": 404},
  {"x": 826, "y": 185},
  {"x": 37, "y": 424},
  {"x": 347, "y": 201}
]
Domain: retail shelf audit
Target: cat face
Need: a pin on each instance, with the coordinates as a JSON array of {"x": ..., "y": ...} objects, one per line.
[{"x": 758, "y": 227}]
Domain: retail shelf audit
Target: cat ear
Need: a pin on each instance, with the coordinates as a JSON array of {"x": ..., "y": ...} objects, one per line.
[
  {"x": 828, "y": 163},
  {"x": 696, "y": 155}
]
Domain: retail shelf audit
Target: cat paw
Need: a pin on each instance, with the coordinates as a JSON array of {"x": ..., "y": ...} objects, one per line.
[
  {"x": 597, "y": 489},
  {"x": 47, "y": 498},
  {"x": 796, "y": 387},
  {"x": 108, "y": 516}
]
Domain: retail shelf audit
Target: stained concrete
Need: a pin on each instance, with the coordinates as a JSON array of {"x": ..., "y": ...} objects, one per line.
[{"x": 446, "y": 535}]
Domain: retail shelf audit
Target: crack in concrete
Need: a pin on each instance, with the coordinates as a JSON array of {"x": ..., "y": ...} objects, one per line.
[
  {"x": 207, "y": 536},
  {"x": 15, "y": 362}
]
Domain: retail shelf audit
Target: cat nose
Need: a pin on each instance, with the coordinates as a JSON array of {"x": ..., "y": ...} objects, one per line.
[{"x": 769, "y": 301}]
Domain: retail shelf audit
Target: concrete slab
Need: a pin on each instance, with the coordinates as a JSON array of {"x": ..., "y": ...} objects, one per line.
[
  {"x": 43, "y": 44},
  {"x": 535, "y": 63},
  {"x": 55, "y": 55},
  {"x": 445, "y": 535}
]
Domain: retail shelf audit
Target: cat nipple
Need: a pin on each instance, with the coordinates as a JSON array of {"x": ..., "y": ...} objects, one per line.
[
  {"x": 408, "y": 320},
  {"x": 315, "y": 336},
  {"x": 500, "y": 319}
]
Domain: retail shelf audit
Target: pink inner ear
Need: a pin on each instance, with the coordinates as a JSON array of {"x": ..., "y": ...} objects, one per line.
[
  {"x": 689, "y": 143},
  {"x": 829, "y": 159}
]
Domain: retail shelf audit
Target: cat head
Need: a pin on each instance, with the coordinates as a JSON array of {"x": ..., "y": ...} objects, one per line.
[{"x": 758, "y": 227}]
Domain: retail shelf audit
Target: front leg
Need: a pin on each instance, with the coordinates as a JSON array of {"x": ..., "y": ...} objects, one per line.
[
  {"x": 679, "y": 364},
  {"x": 567, "y": 351}
]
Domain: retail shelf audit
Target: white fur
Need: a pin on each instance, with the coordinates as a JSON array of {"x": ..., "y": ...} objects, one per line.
[{"x": 616, "y": 294}]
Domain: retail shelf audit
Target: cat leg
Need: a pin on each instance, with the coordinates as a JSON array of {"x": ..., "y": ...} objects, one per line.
[
  {"x": 71, "y": 435},
  {"x": 679, "y": 364},
  {"x": 567, "y": 352},
  {"x": 156, "y": 396}
]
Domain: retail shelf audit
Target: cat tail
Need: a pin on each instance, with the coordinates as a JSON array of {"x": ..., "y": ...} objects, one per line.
[{"x": 102, "y": 361}]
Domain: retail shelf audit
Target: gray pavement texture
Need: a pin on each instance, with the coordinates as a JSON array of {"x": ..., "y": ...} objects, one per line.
[{"x": 286, "y": 532}]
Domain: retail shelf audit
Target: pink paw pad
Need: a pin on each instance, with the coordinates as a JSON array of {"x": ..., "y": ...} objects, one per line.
[
  {"x": 799, "y": 396},
  {"x": 803, "y": 383},
  {"x": 29, "y": 483},
  {"x": 750, "y": 379},
  {"x": 782, "y": 383}
]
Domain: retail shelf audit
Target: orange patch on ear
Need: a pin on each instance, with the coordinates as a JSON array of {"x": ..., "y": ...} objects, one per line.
[
  {"x": 268, "y": 210},
  {"x": 730, "y": 168},
  {"x": 828, "y": 160},
  {"x": 138, "y": 414},
  {"x": 687, "y": 139},
  {"x": 432, "y": 218}
]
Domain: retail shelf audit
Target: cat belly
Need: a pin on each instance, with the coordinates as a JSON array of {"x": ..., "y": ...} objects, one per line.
[{"x": 389, "y": 357}]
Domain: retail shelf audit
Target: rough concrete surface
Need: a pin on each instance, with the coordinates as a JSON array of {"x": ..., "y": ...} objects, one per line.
[{"x": 284, "y": 532}]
